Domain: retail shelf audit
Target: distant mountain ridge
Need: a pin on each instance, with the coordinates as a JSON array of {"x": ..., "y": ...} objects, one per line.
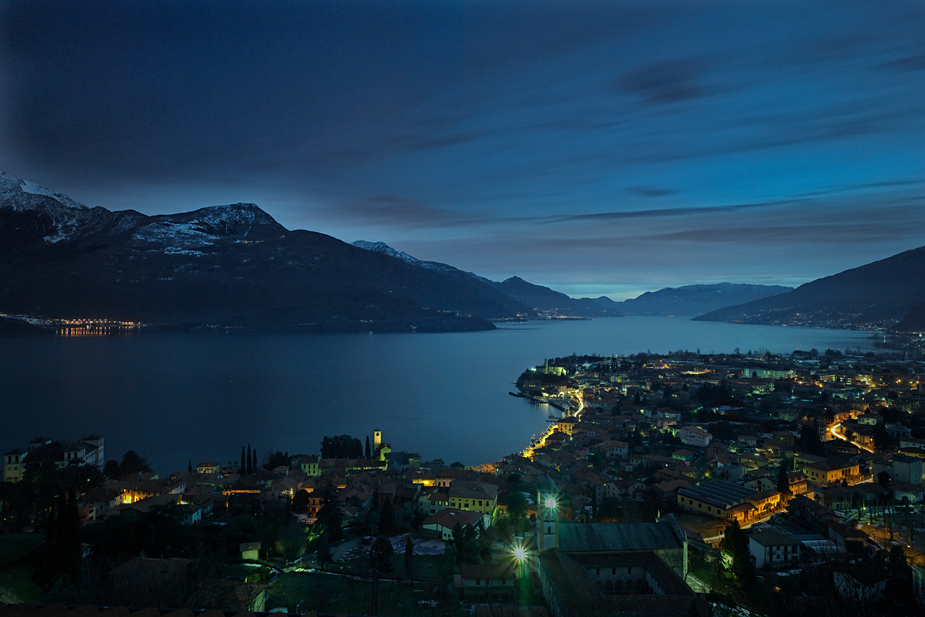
[
  {"x": 877, "y": 295},
  {"x": 544, "y": 299},
  {"x": 536, "y": 297},
  {"x": 230, "y": 265},
  {"x": 692, "y": 300}
]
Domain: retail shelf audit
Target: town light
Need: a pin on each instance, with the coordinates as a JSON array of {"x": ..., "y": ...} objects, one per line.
[
  {"x": 520, "y": 554},
  {"x": 550, "y": 503}
]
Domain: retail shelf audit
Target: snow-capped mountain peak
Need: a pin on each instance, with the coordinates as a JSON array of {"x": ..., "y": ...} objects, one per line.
[{"x": 10, "y": 187}]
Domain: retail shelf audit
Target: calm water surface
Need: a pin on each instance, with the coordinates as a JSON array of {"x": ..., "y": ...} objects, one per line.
[{"x": 173, "y": 397}]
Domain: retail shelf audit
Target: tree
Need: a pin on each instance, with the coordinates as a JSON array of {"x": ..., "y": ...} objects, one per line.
[
  {"x": 111, "y": 469},
  {"x": 277, "y": 459},
  {"x": 409, "y": 557},
  {"x": 330, "y": 518},
  {"x": 341, "y": 446},
  {"x": 459, "y": 540},
  {"x": 809, "y": 438},
  {"x": 380, "y": 556},
  {"x": 189, "y": 465},
  {"x": 369, "y": 454},
  {"x": 243, "y": 463},
  {"x": 516, "y": 507},
  {"x": 457, "y": 466},
  {"x": 67, "y": 544},
  {"x": 324, "y": 553},
  {"x": 254, "y": 461},
  {"x": 881, "y": 437},
  {"x": 133, "y": 464},
  {"x": 783, "y": 482},
  {"x": 386, "y": 517},
  {"x": 247, "y": 462},
  {"x": 735, "y": 545}
]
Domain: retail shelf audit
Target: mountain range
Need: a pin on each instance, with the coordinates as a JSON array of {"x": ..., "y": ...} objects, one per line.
[
  {"x": 231, "y": 266},
  {"x": 689, "y": 300},
  {"x": 692, "y": 300},
  {"x": 234, "y": 266},
  {"x": 536, "y": 297}
]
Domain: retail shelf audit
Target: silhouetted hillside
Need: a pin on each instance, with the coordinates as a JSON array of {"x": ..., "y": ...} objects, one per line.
[{"x": 875, "y": 295}]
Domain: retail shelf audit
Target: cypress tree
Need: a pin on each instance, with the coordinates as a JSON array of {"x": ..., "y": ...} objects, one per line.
[
  {"x": 254, "y": 461},
  {"x": 386, "y": 517},
  {"x": 368, "y": 451},
  {"x": 243, "y": 462},
  {"x": 189, "y": 465},
  {"x": 72, "y": 547},
  {"x": 409, "y": 556},
  {"x": 247, "y": 461},
  {"x": 783, "y": 483},
  {"x": 51, "y": 527},
  {"x": 61, "y": 527}
]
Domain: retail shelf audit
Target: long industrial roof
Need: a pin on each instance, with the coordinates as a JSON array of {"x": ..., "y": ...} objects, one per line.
[{"x": 719, "y": 493}]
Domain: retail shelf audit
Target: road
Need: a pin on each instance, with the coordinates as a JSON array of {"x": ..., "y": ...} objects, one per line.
[{"x": 843, "y": 438}]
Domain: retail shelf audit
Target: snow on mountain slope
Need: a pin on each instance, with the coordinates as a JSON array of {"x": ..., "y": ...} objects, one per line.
[
  {"x": 385, "y": 249},
  {"x": 62, "y": 218},
  {"x": 64, "y": 213},
  {"x": 207, "y": 226}
]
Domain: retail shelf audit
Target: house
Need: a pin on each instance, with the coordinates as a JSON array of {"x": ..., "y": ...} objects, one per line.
[
  {"x": 309, "y": 465},
  {"x": 863, "y": 582},
  {"x": 693, "y": 436},
  {"x": 94, "y": 505},
  {"x": 831, "y": 470},
  {"x": 907, "y": 469},
  {"x": 441, "y": 524},
  {"x": 771, "y": 547},
  {"x": 250, "y": 550},
  {"x": 616, "y": 449},
  {"x": 208, "y": 467},
  {"x": 488, "y": 579},
  {"x": 798, "y": 482},
  {"x": 13, "y": 465},
  {"x": 473, "y": 496}
]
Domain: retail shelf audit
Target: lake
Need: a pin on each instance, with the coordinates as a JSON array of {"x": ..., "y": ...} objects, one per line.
[{"x": 174, "y": 397}]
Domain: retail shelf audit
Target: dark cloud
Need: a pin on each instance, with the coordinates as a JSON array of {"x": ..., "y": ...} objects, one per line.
[
  {"x": 911, "y": 63},
  {"x": 660, "y": 213},
  {"x": 650, "y": 191},
  {"x": 388, "y": 210},
  {"x": 666, "y": 82}
]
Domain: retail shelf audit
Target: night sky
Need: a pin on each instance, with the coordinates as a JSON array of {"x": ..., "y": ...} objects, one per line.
[{"x": 597, "y": 148}]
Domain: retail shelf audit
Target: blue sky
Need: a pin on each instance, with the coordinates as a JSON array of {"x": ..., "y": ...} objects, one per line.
[{"x": 594, "y": 147}]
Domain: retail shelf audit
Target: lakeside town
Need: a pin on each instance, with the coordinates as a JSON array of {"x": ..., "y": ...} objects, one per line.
[{"x": 677, "y": 483}]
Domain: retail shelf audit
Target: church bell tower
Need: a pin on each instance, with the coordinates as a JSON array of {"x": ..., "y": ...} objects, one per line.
[{"x": 547, "y": 515}]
